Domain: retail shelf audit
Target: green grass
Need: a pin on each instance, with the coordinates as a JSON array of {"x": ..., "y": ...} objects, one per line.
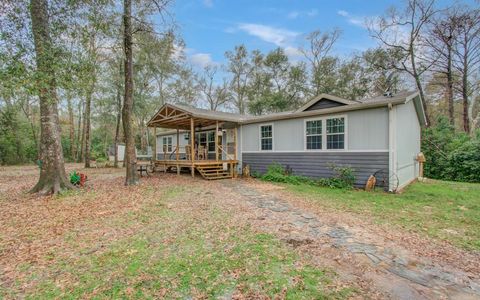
[
  {"x": 443, "y": 210},
  {"x": 178, "y": 255}
]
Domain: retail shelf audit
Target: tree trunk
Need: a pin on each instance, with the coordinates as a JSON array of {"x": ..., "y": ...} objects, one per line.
[
  {"x": 82, "y": 139},
  {"x": 79, "y": 141},
  {"x": 53, "y": 178},
  {"x": 117, "y": 127},
  {"x": 71, "y": 127},
  {"x": 451, "y": 113},
  {"x": 88, "y": 105},
  {"x": 466, "y": 118},
  {"x": 419, "y": 85},
  {"x": 130, "y": 157}
]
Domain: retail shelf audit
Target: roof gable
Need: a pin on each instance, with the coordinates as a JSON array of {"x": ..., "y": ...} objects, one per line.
[{"x": 323, "y": 101}]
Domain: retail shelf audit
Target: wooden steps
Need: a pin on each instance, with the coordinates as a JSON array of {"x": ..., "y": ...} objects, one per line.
[{"x": 213, "y": 171}]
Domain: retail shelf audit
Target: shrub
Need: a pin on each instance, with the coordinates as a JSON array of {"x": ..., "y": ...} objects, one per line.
[
  {"x": 277, "y": 173},
  {"x": 451, "y": 155},
  {"x": 344, "y": 178}
]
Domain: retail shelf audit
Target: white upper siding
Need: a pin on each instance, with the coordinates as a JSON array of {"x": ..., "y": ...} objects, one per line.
[
  {"x": 407, "y": 135},
  {"x": 365, "y": 130}
]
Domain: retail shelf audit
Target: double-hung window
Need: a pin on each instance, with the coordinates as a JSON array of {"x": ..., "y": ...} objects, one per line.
[
  {"x": 266, "y": 137},
  {"x": 336, "y": 133},
  {"x": 314, "y": 134},
  {"x": 167, "y": 143},
  {"x": 325, "y": 134}
]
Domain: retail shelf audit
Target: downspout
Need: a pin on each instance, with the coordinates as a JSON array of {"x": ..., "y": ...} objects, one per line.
[{"x": 392, "y": 145}]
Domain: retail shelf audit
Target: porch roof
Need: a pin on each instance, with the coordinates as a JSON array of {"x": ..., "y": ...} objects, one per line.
[{"x": 177, "y": 116}]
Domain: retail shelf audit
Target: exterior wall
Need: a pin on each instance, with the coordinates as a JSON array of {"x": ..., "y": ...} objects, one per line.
[
  {"x": 407, "y": 142},
  {"x": 365, "y": 130},
  {"x": 317, "y": 164},
  {"x": 366, "y": 141}
]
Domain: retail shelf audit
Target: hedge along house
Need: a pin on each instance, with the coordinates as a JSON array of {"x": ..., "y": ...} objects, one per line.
[{"x": 378, "y": 136}]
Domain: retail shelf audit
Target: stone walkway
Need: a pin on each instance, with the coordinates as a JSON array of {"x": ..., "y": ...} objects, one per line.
[{"x": 392, "y": 271}]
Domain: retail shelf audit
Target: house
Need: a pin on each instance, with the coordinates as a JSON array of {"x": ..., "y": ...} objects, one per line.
[{"x": 378, "y": 136}]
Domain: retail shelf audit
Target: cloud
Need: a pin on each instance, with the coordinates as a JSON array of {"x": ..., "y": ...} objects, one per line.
[
  {"x": 354, "y": 20},
  {"x": 208, "y": 3},
  {"x": 295, "y": 14},
  {"x": 274, "y": 35},
  {"x": 293, "y": 52},
  {"x": 201, "y": 59}
]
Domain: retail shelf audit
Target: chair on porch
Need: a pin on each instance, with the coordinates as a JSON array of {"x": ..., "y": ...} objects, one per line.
[{"x": 202, "y": 153}]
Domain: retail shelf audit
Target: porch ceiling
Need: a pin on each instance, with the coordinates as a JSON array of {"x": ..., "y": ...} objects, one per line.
[{"x": 173, "y": 117}]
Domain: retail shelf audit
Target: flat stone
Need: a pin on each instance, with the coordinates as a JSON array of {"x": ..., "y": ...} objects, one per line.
[
  {"x": 373, "y": 258},
  {"x": 297, "y": 223},
  {"x": 410, "y": 275},
  {"x": 338, "y": 232},
  {"x": 314, "y": 224},
  {"x": 308, "y": 216},
  {"x": 279, "y": 208}
]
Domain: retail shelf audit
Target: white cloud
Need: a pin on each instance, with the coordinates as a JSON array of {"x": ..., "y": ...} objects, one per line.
[
  {"x": 277, "y": 36},
  {"x": 208, "y": 3},
  {"x": 295, "y": 14},
  {"x": 354, "y": 20},
  {"x": 201, "y": 59},
  {"x": 292, "y": 52}
]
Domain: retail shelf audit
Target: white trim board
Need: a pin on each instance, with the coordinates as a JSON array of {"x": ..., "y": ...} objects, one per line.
[{"x": 319, "y": 151}]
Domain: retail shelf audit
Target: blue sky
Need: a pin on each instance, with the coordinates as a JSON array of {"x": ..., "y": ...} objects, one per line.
[{"x": 210, "y": 27}]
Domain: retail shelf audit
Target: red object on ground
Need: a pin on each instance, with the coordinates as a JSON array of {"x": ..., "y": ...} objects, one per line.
[{"x": 83, "y": 179}]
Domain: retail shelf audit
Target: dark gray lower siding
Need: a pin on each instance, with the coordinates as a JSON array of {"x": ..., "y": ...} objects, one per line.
[{"x": 316, "y": 164}]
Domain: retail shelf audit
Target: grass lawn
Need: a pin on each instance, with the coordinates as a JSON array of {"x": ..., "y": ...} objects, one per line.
[
  {"x": 157, "y": 240},
  {"x": 442, "y": 210}
]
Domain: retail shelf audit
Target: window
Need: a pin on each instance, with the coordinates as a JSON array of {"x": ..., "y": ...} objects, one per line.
[
  {"x": 211, "y": 141},
  {"x": 336, "y": 133},
  {"x": 167, "y": 143},
  {"x": 314, "y": 134},
  {"x": 266, "y": 137}
]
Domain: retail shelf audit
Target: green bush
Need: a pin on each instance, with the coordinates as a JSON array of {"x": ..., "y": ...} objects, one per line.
[
  {"x": 344, "y": 178},
  {"x": 451, "y": 155},
  {"x": 277, "y": 173}
]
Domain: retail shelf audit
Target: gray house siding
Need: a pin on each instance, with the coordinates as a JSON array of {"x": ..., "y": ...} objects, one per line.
[
  {"x": 324, "y": 103},
  {"x": 407, "y": 142},
  {"x": 366, "y": 130},
  {"x": 317, "y": 164}
]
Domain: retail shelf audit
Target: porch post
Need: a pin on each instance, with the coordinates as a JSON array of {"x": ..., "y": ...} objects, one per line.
[
  {"x": 154, "y": 156},
  {"x": 192, "y": 144},
  {"x": 216, "y": 141},
  {"x": 177, "y": 150}
]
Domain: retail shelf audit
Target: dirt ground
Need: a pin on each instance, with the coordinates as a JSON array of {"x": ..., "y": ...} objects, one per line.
[{"x": 379, "y": 261}]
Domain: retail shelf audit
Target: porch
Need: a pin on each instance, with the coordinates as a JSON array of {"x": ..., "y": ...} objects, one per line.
[{"x": 201, "y": 140}]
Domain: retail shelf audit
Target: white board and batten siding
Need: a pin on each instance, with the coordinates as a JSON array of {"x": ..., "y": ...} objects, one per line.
[{"x": 366, "y": 146}]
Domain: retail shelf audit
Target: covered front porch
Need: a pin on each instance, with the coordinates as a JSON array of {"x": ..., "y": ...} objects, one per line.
[{"x": 198, "y": 140}]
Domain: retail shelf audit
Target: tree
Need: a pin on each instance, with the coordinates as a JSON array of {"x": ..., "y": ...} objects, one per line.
[
  {"x": 467, "y": 60},
  {"x": 241, "y": 69},
  {"x": 53, "y": 178},
  {"x": 402, "y": 31},
  {"x": 441, "y": 40},
  {"x": 127, "y": 111},
  {"x": 215, "y": 94},
  {"x": 317, "y": 54}
]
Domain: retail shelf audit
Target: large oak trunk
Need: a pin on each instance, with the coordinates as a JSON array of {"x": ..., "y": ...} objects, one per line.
[
  {"x": 130, "y": 156},
  {"x": 53, "y": 178}
]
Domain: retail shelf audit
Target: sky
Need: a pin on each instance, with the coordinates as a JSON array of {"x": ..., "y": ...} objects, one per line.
[{"x": 211, "y": 27}]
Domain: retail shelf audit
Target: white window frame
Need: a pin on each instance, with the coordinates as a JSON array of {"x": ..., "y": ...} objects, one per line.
[
  {"x": 171, "y": 144},
  {"x": 324, "y": 133},
  {"x": 260, "y": 137}
]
